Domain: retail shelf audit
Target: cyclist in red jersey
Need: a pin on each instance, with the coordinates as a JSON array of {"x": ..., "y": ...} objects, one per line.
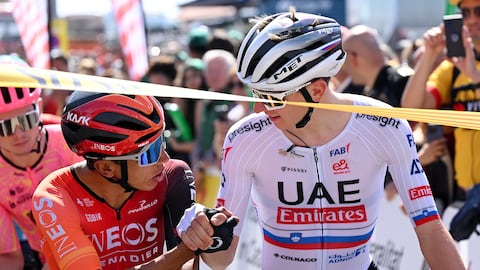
[
  {"x": 119, "y": 207},
  {"x": 29, "y": 150},
  {"x": 315, "y": 176}
]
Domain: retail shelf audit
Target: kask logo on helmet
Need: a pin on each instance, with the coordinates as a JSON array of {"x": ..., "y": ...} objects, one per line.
[{"x": 77, "y": 119}]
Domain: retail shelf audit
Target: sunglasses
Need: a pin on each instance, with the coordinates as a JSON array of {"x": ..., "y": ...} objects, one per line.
[
  {"x": 26, "y": 122},
  {"x": 277, "y": 100},
  {"x": 467, "y": 12},
  {"x": 149, "y": 155}
]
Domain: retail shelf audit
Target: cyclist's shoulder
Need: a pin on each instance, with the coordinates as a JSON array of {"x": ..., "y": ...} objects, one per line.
[
  {"x": 178, "y": 170},
  {"x": 251, "y": 125},
  {"x": 59, "y": 177}
]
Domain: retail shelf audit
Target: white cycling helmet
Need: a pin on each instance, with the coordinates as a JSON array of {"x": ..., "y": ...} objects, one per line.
[{"x": 288, "y": 50}]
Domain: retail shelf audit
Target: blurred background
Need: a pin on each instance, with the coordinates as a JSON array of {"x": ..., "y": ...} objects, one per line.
[{"x": 88, "y": 26}]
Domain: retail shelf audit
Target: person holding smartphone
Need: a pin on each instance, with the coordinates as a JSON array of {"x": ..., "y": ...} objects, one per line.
[{"x": 454, "y": 84}]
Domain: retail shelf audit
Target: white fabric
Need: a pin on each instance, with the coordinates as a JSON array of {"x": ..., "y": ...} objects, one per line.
[{"x": 318, "y": 206}]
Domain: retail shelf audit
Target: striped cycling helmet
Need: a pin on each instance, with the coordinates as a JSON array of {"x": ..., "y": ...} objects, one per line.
[
  {"x": 288, "y": 50},
  {"x": 16, "y": 97}
]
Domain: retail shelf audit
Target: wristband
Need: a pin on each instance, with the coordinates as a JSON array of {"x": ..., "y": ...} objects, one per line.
[{"x": 188, "y": 216}]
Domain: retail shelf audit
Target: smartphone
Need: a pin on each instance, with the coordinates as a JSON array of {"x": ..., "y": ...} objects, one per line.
[
  {"x": 453, "y": 35},
  {"x": 434, "y": 132}
]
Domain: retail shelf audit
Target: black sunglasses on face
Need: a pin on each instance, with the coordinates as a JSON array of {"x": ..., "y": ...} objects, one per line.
[{"x": 467, "y": 12}]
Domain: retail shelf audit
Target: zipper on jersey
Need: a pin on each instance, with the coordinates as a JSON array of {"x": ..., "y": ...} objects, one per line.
[
  {"x": 321, "y": 250},
  {"x": 117, "y": 213}
]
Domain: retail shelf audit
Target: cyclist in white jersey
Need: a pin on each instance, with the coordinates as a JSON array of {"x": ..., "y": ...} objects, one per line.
[{"x": 315, "y": 176}]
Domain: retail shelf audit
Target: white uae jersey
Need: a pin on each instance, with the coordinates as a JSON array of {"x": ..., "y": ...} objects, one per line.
[{"x": 317, "y": 207}]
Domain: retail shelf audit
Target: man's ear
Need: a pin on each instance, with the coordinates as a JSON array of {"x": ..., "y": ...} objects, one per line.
[
  {"x": 318, "y": 89},
  {"x": 105, "y": 167}
]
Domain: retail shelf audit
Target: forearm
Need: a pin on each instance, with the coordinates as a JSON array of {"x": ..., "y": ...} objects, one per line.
[
  {"x": 414, "y": 94},
  {"x": 221, "y": 259},
  {"x": 438, "y": 247}
]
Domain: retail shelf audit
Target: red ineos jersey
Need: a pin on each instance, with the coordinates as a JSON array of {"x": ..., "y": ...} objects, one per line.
[
  {"x": 81, "y": 231},
  {"x": 317, "y": 206}
]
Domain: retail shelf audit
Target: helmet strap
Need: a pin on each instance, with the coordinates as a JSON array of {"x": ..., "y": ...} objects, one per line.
[
  {"x": 306, "y": 118},
  {"x": 39, "y": 139},
  {"x": 123, "y": 181}
]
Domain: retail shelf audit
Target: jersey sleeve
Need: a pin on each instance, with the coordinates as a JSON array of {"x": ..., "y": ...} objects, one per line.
[
  {"x": 58, "y": 222},
  {"x": 400, "y": 152},
  {"x": 237, "y": 177},
  {"x": 8, "y": 234},
  {"x": 180, "y": 196}
]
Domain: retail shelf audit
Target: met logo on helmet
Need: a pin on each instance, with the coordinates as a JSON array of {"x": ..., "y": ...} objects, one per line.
[
  {"x": 77, "y": 119},
  {"x": 288, "y": 68}
]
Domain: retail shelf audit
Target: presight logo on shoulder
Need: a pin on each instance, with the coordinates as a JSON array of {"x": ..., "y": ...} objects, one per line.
[
  {"x": 77, "y": 119},
  {"x": 255, "y": 126},
  {"x": 382, "y": 120}
]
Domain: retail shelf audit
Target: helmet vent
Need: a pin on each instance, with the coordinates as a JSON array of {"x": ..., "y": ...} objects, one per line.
[
  {"x": 126, "y": 122},
  {"x": 19, "y": 92},
  {"x": 264, "y": 49},
  {"x": 6, "y": 95},
  {"x": 146, "y": 137}
]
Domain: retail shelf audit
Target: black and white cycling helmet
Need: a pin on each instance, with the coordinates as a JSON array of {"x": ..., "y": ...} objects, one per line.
[{"x": 288, "y": 50}]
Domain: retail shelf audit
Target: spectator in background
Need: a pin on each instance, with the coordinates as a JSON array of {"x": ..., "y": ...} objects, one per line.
[
  {"x": 221, "y": 40},
  {"x": 54, "y": 100},
  {"x": 342, "y": 81},
  {"x": 29, "y": 151},
  {"x": 192, "y": 77},
  {"x": 115, "y": 74},
  {"x": 87, "y": 66},
  {"x": 367, "y": 65},
  {"x": 220, "y": 66},
  {"x": 225, "y": 116},
  {"x": 198, "y": 39},
  {"x": 454, "y": 85}
]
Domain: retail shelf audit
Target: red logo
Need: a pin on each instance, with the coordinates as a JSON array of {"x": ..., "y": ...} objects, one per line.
[
  {"x": 351, "y": 214},
  {"x": 419, "y": 192},
  {"x": 341, "y": 167},
  {"x": 225, "y": 152},
  {"x": 220, "y": 202}
]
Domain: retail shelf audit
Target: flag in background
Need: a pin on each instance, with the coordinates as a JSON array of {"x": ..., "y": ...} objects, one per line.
[
  {"x": 131, "y": 27},
  {"x": 31, "y": 17}
]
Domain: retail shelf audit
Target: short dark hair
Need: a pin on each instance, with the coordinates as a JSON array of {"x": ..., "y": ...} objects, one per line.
[{"x": 164, "y": 65}]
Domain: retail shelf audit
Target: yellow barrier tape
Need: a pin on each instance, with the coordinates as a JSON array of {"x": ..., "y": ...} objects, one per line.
[{"x": 51, "y": 79}]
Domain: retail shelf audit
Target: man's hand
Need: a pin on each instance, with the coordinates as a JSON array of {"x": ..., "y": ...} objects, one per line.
[{"x": 206, "y": 229}]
